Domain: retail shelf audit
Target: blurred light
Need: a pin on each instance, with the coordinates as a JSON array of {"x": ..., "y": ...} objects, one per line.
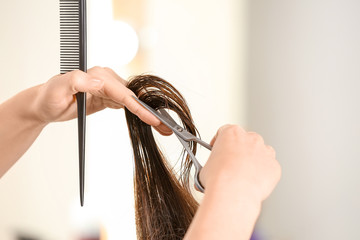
[{"x": 114, "y": 45}]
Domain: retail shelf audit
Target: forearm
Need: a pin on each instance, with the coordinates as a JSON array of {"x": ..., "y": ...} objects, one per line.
[
  {"x": 227, "y": 212},
  {"x": 19, "y": 127}
]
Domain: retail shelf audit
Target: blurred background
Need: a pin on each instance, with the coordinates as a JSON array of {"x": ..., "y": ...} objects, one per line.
[{"x": 288, "y": 70}]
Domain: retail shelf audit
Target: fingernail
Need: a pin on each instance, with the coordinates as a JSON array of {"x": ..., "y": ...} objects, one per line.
[{"x": 96, "y": 82}]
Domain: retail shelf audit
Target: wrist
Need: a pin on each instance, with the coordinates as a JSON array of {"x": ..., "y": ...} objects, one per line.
[
  {"x": 228, "y": 210},
  {"x": 27, "y": 108}
]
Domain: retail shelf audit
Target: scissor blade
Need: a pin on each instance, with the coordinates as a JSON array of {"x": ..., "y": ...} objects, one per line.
[{"x": 165, "y": 118}]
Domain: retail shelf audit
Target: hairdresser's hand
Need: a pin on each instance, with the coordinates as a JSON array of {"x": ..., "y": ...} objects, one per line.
[
  {"x": 241, "y": 160},
  {"x": 55, "y": 99}
]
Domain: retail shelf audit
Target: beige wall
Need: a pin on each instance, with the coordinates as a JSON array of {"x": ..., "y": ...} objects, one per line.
[{"x": 304, "y": 99}]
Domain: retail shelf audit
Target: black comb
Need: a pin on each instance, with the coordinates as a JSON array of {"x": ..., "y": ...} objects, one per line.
[{"x": 73, "y": 57}]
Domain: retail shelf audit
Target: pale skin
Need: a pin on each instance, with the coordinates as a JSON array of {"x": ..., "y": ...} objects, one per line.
[
  {"x": 240, "y": 173},
  {"x": 25, "y": 115}
]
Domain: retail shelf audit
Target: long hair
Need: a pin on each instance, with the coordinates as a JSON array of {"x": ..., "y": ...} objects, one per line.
[{"x": 164, "y": 206}]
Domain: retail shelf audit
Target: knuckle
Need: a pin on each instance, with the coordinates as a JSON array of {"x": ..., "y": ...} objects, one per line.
[
  {"x": 260, "y": 138},
  {"x": 225, "y": 127},
  {"x": 232, "y": 129},
  {"x": 279, "y": 169},
  {"x": 76, "y": 77},
  {"x": 272, "y": 150},
  {"x": 108, "y": 69},
  {"x": 256, "y": 137},
  {"x": 253, "y": 135},
  {"x": 237, "y": 129},
  {"x": 232, "y": 132},
  {"x": 96, "y": 69},
  {"x": 76, "y": 74}
]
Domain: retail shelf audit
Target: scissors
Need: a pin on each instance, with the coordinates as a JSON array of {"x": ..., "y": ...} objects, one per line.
[{"x": 184, "y": 137}]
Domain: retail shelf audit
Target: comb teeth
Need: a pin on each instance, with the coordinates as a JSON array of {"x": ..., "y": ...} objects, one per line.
[{"x": 69, "y": 35}]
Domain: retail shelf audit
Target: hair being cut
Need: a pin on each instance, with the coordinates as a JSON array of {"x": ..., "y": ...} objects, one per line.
[{"x": 164, "y": 205}]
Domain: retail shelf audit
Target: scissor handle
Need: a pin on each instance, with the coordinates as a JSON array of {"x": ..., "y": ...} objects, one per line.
[
  {"x": 197, "y": 182},
  {"x": 202, "y": 143}
]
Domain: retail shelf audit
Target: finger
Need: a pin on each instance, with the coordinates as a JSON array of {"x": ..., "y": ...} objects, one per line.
[
  {"x": 256, "y": 137},
  {"x": 78, "y": 81},
  {"x": 271, "y": 150},
  {"x": 115, "y": 89},
  {"x": 163, "y": 129},
  {"x": 196, "y": 188},
  {"x": 219, "y": 131},
  {"x": 116, "y": 76},
  {"x": 133, "y": 106},
  {"x": 146, "y": 116},
  {"x": 111, "y": 104},
  {"x": 106, "y": 73},
  {"x": 213, "y": 140}
]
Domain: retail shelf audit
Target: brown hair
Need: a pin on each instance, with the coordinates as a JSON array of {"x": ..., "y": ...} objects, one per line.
[{"x": 164, "y": 205}]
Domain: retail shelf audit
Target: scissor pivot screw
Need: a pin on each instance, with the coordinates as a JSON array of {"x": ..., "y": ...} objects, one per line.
[{"x": 180, "y": 129}]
